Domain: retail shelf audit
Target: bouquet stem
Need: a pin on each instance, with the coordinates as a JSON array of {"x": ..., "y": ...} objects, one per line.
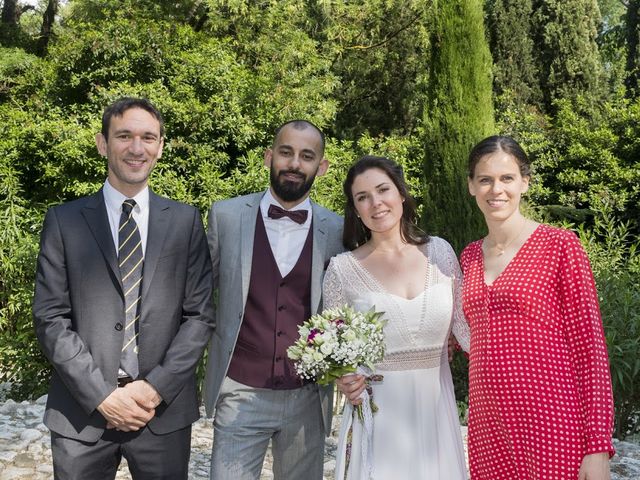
[{"x": 374, "y": 408}]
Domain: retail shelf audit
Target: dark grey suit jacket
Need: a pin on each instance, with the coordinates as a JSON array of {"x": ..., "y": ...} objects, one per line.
[{"x": 79, "y": 303}]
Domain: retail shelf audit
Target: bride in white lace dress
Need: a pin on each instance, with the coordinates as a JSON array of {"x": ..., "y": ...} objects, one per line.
[{"x": 416, "y": 281}]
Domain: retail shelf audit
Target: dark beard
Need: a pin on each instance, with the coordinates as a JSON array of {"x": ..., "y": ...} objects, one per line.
[{"x": 289, "y": 191}]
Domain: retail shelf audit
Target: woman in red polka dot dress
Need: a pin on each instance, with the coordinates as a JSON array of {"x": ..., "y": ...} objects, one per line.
[{"x": 539, "y": 385}]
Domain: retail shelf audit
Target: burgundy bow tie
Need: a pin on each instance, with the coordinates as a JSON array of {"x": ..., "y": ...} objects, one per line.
[{"x": 298, "y": 216}]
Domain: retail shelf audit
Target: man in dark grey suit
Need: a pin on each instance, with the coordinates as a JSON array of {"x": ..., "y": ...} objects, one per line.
[
  {"x": 122, "y": 310},
  {"x": 269, "y": 252}
]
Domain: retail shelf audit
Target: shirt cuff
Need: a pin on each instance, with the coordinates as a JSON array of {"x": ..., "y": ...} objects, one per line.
[{"x": 599, "y": 444}]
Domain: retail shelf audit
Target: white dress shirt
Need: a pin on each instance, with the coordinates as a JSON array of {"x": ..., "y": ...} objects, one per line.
[
  {"x": 286, "y": 237},
  {"x": 113, "y": 201}
]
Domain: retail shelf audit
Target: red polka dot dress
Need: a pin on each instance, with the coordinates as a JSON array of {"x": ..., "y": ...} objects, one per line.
[{"x": 539, "y": 384}]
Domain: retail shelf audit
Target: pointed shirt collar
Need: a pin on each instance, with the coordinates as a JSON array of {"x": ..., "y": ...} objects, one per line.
[{"x": 113, "y": 199}]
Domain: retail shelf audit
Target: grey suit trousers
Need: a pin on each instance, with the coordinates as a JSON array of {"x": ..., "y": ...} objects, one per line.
[
  {"x": 149, "y": 456},
  {"x": 248, "y": 418}
]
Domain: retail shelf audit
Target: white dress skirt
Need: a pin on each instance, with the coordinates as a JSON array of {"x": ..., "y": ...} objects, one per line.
[{"x": 416, "y": 432}]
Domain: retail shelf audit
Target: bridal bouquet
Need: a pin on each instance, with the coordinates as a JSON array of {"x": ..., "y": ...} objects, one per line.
[{"x": 336, "y": 342}]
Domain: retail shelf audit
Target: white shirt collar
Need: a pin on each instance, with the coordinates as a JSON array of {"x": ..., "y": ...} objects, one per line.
[
  {"x": 113, "y": 198},
  {"x": 268, "y": 199}
]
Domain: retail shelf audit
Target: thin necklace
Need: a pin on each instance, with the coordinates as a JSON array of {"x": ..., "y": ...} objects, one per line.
[
  {"x": 376, "y": 249},
  {"x": 502, "y": 249}
]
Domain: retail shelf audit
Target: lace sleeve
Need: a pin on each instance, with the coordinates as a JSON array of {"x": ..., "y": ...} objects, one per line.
[
  {"x": 460, "y": 326},
  {"x": 332, "y": 290}
]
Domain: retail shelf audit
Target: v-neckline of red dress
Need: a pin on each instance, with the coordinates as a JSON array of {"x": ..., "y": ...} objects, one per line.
[{"x": 512, "y": 261}]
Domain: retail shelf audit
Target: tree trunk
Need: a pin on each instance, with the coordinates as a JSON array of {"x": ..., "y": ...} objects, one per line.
[
  {"x": 47, "y": 27},
  {"x": 633, "y": 43},
  {"x": 10, "y": 12},
  {"x": 198, "y": 15}
]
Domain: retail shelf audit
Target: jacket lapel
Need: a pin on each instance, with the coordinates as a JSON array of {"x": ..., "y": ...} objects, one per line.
[
  {"x": 95, "y": 214},
  {"x": 247, "y": 235},
  {"x": 319, "y": 226},
  {"x": 159, "y": 221}
]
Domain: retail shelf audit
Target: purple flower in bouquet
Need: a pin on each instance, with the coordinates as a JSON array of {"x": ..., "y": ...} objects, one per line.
[{"x": 336, "y": 342}]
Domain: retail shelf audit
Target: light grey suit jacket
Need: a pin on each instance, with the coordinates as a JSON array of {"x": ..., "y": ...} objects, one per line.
[
  {"x": 231, "y": 232},
  {"x": 79, "y": 310}
]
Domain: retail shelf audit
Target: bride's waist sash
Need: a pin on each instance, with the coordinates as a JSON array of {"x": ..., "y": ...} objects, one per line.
[{"x": 413, "y": 359}]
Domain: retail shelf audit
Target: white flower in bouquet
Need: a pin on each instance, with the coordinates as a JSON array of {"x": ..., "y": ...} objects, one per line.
[{"x": 337, "y": 341}]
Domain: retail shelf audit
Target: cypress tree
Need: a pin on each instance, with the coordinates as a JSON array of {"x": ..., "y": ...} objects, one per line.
[
  {"x": 569, "y": 59},
  {"x": 514, "y": 69},
  {"x": 459, "y": 113}
]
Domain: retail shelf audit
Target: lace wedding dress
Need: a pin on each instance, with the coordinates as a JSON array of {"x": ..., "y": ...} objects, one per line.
[{"x": 416, "y": 433}]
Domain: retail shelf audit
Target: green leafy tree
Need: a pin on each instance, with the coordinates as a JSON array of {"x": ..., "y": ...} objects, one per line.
[
  {"x": 459, "y": 113},
  {"x": 379, "y": 50},
  {"x": 21, "y": 362},
  {"x": 580, "y": 155},
  {"x": 615, "y": 258}
]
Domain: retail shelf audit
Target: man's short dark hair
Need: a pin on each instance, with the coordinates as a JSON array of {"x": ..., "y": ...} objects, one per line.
[
  {"x": 117, "y": 109},
  {"x": 300, "y": 125}
]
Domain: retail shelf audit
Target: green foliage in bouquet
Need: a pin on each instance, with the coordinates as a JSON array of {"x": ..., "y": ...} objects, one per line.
[{"x": 337, "y": 341}]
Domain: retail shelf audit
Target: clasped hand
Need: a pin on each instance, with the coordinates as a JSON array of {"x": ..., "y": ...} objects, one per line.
[{"x": 130, "y": 408}]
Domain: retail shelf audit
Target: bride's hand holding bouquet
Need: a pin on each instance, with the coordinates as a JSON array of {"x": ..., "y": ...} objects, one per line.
[{"x": 339, "y": 342}]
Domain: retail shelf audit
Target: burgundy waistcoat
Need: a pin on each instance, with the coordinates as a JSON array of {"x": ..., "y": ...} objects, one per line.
[{"x": 275, "y": 307}]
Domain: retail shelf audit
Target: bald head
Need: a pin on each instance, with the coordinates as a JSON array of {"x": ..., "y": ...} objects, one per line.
[{"x": 299, "y": 125}]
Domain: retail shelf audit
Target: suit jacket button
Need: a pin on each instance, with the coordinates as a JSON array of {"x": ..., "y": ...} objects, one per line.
[{"x": 118, "y": 326}]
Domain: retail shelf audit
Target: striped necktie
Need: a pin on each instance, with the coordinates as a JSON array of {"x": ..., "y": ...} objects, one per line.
[{"x": 130, "y": 260}]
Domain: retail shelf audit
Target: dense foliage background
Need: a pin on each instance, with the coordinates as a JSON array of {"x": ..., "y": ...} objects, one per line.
[{"x": 419, "y": 81}]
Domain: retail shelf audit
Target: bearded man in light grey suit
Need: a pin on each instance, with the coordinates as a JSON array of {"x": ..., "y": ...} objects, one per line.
[
  {"x": 269, "y": 251},
  {"x": 123, "y": 311}
]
